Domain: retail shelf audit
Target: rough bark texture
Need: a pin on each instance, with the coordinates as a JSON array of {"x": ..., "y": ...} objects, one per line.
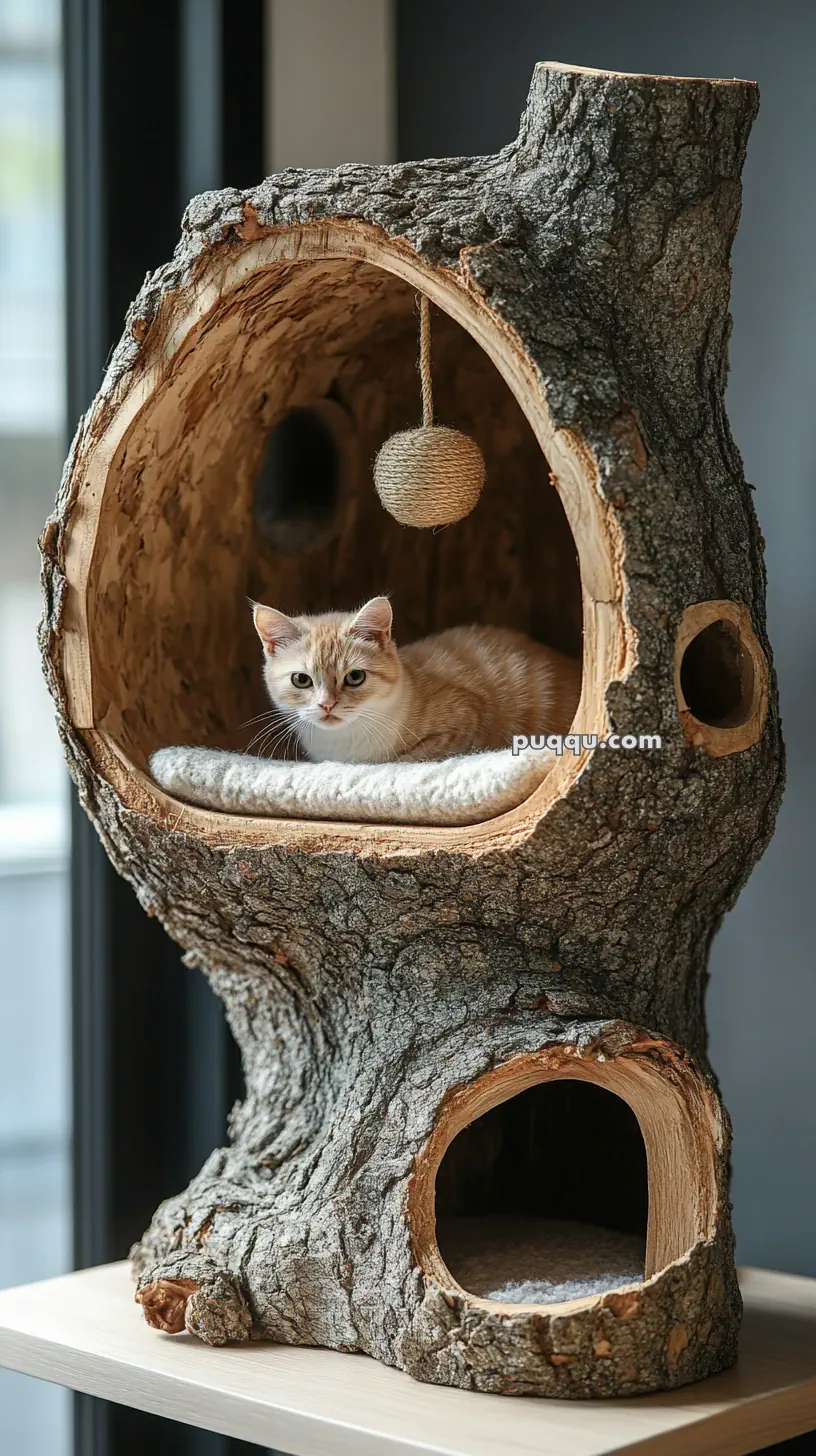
[{"x": 366, "y": 989}]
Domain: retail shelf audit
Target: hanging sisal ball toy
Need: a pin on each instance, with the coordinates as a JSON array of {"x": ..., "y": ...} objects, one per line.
[{"x": 430, "y": 476}]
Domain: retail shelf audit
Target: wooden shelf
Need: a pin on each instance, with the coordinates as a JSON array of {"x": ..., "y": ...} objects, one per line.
[{"x": 84, "y": 1331}]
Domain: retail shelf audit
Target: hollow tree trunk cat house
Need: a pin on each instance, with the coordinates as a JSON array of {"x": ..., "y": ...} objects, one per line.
[{"x": 403, "y": 995}]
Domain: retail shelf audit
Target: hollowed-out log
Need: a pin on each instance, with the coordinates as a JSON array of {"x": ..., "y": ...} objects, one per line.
[{"x": 403, "y": 996}]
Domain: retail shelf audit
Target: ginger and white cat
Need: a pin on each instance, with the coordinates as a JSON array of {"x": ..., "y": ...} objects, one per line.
[{"x": 344, "y": 690}]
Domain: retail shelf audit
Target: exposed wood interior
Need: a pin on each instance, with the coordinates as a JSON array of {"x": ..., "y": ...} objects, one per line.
[
  {"x": 164, "y": 549},
  {"x": 175, "y": 654},
  {"x": 678, "y": 1121}
]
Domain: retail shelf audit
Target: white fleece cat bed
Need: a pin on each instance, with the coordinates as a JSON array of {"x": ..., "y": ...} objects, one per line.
[{"x": 461, "y": 790}]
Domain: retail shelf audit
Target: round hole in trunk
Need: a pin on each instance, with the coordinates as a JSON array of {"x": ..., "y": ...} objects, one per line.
[
  {"x": 717, "y": 676},
  {"x": 720, "y": 677},
  {"x": 297, "y": 492}
]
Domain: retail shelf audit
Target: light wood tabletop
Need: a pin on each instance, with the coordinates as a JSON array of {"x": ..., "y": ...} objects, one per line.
[{"x": 84, "y": 1331}]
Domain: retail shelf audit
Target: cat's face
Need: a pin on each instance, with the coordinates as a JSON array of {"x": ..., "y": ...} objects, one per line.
[{"x": 326, "y": 672}]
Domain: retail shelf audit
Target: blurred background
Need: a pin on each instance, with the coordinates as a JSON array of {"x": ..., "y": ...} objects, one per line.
[
  {"x": 112, "y": 113},
  {"x": 35, "y": 1101}
]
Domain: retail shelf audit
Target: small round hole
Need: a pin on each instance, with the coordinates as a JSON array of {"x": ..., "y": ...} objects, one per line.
[
  {"x": 717, "y": 676},
  {"x": 298, "y": 489}
]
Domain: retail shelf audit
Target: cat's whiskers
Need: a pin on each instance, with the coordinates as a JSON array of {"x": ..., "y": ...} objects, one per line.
[
  {"x": 261, "y": 717},
  {"x": 281, "y": 750},
  {"x": 295, "y": 734},
  {"x": 375, "y": 729},
  {"x": 384, "y": 717},
  {"x": 280, "y": 741},
  {"x": 261, "y": 735},
  {"x": 272, "y": 732},
  {"x": 380, "y": 719},
  {"x": 258, "y": 745},
  {"x": 374, "y": 734},
  {"x": 374, "y": 724},
  {"x": 278, "y": 745},
  {"x": 266, "y": 720},
  {"x": 378, "y": 743},
  {"x": 358, "y": 714}
]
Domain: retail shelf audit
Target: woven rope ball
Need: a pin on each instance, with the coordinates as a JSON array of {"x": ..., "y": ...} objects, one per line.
[{"x": 430, "y": 476}]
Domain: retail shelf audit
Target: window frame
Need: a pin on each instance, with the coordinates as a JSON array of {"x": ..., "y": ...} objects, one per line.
[{"x": 143, "y": 1122}]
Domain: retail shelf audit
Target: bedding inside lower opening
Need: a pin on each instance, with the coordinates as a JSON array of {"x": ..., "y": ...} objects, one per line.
[{"x": 545, "y": 1198}]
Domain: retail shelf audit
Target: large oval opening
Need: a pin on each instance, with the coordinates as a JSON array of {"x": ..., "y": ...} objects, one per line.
[
  {"x": 228, "y": 486},
  {"x": 179, "y": 527}
]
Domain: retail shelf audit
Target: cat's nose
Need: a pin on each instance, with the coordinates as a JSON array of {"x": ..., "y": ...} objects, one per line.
[{"x": 326, "y": 704}]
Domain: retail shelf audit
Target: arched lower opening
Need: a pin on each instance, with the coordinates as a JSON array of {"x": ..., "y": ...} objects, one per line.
[
  {"x": 616, "y": 1149},
  {"x": 545, "y": 1197}
]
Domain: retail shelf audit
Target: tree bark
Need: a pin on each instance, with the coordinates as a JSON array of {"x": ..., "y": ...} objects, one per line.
[{"x": 387, "y": 987}]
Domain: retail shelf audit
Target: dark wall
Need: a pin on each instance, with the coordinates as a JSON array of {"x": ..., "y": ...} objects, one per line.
[{"x": 463, "y": 77}]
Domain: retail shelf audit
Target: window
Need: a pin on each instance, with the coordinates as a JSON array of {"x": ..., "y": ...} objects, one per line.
[{"x": 34, "y": 1033}]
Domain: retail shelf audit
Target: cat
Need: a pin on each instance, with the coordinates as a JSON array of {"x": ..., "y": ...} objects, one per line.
[{"x": 343, "y": 689}]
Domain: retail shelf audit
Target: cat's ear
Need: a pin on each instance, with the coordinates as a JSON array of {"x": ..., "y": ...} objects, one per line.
[
  {"x": 373, "y": 621},
  {"x": 274, "y": 628}
]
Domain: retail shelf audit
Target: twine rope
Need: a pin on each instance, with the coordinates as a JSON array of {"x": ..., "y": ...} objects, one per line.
[
  {"x": 425, "y": 359},
  {"x": 430, "y": 476}
]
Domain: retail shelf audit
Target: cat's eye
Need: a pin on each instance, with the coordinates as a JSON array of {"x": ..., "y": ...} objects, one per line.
[
  {"x": 301, "y": 680},
  {"x": 355, "y": 678}
]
